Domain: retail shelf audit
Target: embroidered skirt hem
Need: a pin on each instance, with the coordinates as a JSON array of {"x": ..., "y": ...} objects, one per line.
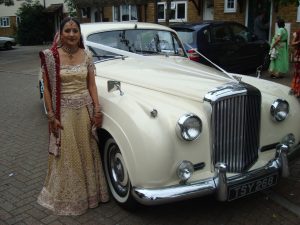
[{"x": 75, "y": 179}]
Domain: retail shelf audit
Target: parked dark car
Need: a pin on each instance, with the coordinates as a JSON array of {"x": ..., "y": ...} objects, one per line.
[{"x": 228, "y": 44}]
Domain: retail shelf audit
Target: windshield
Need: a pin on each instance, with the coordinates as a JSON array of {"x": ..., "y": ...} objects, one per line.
[{"x": 145, "y": 42}]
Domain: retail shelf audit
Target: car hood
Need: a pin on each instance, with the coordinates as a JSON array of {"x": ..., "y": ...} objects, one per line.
[
  {"x": 172, "y": 75},
  {"x": 267, "y": 87}
]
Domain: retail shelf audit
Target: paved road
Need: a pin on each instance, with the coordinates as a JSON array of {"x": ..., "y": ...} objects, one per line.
[{"x": 23, "y": 163}]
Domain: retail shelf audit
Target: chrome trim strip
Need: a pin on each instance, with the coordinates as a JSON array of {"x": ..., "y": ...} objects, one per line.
[
  {"x": 217, "y": 184},
  {"x": 226, "y": 90}
]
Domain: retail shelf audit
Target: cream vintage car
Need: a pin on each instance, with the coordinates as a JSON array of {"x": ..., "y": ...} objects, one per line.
[{"x": 174, "y": 129}]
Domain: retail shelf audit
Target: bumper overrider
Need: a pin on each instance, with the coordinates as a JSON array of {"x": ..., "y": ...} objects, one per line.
[{"x": 225, "y": 188}]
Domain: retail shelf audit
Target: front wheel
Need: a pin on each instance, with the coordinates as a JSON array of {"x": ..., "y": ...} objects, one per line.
[
  {"x": 117, "y": 175},
  {"x": 8, "y": 45}
]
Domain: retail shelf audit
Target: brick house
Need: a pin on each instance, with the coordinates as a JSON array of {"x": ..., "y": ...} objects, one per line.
[{"x": 242, "y": 11}]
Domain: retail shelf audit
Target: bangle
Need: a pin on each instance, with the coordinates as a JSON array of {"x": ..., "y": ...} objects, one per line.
[{"x": 97, "y": 109}]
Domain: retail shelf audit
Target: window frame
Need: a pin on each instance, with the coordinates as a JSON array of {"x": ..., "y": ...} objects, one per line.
[
  {"x": 232, "y": 9},
  {"x": 174, "y": 5},
  {"x": 119, "y": 9},
  {"x": 5, "y": 21}
]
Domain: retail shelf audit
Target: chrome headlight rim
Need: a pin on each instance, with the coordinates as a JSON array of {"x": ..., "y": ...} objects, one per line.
[
  {"x": 183, "y": 131},
  {"x": 277, "y": 112}
]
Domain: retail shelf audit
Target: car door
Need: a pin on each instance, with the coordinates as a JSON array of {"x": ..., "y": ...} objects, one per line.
[
  {"x": 221, "y": 49},
  {"x": 250, "y": 51}
]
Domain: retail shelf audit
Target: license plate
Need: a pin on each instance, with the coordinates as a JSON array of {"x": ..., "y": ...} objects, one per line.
[{"x": 241, "y": 190}]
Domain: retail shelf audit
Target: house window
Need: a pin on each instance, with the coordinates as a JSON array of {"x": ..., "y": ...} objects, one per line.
[
  {"x": 178, "y": 11},
  {"x": 4, "y": 22},
  {"x": 116, "y": 13},
  {"x": 84, "y": 12},
  {"x": 230, "y": 6},
  {"x": 125, "y": 13},
  {"x": 298, "y": 13},
  {"x": 161, "y": 13}
]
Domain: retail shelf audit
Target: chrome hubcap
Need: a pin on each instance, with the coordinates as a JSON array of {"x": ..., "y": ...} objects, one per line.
[{"x": 117, "y": 171}]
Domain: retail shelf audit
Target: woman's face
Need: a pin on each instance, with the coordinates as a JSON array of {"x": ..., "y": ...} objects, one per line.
[{"x": 70, "y": 34}]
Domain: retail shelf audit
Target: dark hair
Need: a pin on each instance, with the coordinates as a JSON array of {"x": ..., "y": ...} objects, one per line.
[
  {"x": 67, "y": 19},
  {"x": 63, "y": 23},
  {"x": 280, "y": 23}
]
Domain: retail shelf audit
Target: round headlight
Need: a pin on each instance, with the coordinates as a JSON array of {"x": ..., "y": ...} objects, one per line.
[
  {"x": 189, "y": 127},
  {"x": 280, "y": 109},
  {"x": 185, "y": 170}
]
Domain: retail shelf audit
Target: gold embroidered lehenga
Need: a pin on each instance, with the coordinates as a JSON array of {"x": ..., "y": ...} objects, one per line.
[{"x": 75, "y": 180}]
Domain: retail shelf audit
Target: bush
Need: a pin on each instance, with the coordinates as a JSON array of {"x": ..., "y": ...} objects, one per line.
[{"x": 35, "y": 26}]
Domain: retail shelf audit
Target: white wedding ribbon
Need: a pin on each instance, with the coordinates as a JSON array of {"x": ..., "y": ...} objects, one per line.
[{"x": 185, "y": 69}]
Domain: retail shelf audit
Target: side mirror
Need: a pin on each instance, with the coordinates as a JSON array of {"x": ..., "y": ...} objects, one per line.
[{"x": 113, "y": 85}]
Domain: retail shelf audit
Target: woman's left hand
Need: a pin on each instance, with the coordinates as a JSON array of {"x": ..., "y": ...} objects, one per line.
[{"x": 97, "y": 120}]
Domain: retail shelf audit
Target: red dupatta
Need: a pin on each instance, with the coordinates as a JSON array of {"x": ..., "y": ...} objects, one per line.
[{"x": 50, "y": 64}]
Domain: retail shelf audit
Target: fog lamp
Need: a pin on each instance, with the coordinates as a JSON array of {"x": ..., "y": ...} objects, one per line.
[
  {"x": 185, "y": 170},
  {"x": 289, "y": 140},
  {"x": 280, "y": 110}
]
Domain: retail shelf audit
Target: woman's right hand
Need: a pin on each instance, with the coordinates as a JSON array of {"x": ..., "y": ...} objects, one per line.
[{"x": 54, "y": 126}]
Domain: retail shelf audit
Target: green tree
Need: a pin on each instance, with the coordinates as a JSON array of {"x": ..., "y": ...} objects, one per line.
[
  {"x": 72, "y": 7},
  {"x": 34, "y": 24},
  {"x": 7, "y": 2}
]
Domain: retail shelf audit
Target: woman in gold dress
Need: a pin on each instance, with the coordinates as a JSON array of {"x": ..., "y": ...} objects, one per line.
[{"x": 75, "y": 180}]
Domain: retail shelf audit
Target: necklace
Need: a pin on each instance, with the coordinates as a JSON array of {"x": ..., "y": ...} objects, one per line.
[{"x": 69, "y": 51}]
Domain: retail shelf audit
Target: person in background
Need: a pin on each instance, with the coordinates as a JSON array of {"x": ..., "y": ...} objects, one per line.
[
  {"x": 295, "y": 85},
  {"x": 279, "y": 64},
  {"x": 261, "y": 27},
  {"x": 75, "y": 179}
]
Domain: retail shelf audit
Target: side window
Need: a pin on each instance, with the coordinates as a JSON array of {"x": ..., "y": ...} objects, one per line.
[
  {"x": 240, "y": 33},
  {"x": 221, "y": 34},
  {"x": 106, "y": 38}
]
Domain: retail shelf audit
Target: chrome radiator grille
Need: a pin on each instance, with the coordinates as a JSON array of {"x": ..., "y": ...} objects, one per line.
[{"x": 235, "y": 129}]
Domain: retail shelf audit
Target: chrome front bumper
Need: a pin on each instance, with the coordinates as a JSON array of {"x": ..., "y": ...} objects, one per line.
[{"x": 217, "y": 184}]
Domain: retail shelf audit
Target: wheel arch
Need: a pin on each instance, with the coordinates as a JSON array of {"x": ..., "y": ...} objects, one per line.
[{"x": 111, "y": 128}]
